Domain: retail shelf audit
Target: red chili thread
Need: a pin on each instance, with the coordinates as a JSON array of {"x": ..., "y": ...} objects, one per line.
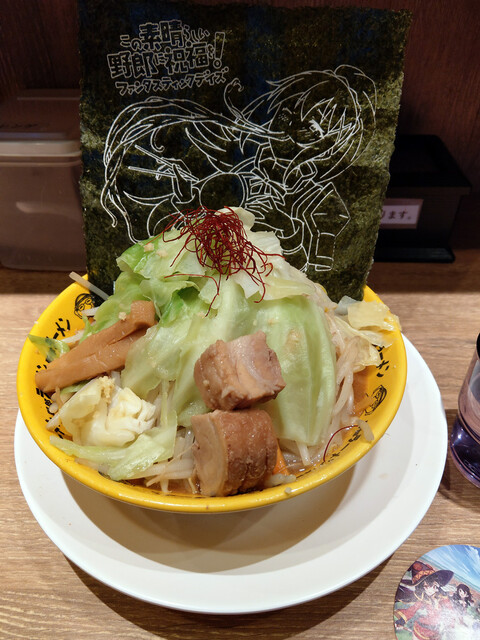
[
  {"x": 350, "y": 426},
  {"x": 220, "y": 242}
]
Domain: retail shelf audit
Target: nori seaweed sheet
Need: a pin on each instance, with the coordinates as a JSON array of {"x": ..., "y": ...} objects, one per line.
[{"x": 289, "y": 112}]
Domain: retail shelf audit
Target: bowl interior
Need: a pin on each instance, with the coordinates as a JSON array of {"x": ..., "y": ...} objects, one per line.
[{"x": 385, "y": 383}]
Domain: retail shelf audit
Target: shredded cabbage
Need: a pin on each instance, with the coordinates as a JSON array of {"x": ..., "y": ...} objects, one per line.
[
  {"x": 121, "y": 463},
  {"x": 366, "y": 315},
  {"x": 49, "y": 347}
]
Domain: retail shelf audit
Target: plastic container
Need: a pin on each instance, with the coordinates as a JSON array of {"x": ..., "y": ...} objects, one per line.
[{"x": 40, "y": 166}]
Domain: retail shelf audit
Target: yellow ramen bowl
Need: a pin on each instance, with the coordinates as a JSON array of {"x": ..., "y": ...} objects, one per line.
[{"x": 385, "y": 384}]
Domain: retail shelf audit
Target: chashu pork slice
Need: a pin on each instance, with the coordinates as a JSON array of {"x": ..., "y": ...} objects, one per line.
[
  {"x": 234, "y": 451},
  {"x": 239, "y": 373}
]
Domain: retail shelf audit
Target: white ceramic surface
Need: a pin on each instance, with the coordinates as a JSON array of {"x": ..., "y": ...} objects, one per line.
[{"x": 257, "y": 560}]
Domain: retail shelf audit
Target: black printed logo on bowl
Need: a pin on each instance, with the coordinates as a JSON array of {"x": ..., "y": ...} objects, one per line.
[
  {"x": 378, "y": 396},
  {"x": 83, "y": 301}
]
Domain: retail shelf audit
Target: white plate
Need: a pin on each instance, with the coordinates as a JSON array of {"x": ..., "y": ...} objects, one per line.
[{"x": 257, "y": 560}]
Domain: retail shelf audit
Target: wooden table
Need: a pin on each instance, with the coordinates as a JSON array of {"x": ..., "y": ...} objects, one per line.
[{"x": 44, "y": 595}]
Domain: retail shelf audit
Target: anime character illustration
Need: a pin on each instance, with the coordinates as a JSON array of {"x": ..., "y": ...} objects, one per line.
[
  {"x": 462, "y": 598},
  {"x": 428, "y": 614},
  {"x": 467, "y": 622},
  {"x": 279, "y": 156}
]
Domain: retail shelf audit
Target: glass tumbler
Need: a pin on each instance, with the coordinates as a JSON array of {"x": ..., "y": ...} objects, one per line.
[{"x": 465, "y": 438}]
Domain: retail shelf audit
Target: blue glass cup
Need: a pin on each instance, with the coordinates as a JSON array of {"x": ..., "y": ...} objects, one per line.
[{"x": 465, "y": 438}]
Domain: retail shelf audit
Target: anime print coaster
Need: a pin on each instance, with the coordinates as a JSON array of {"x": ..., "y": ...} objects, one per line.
[
  {"x": 439, "y": 596},
  {"x": 287, "y": 112}
]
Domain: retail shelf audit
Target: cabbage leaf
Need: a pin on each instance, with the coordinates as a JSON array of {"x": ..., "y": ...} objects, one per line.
[{"x": 121, "y": 463}]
